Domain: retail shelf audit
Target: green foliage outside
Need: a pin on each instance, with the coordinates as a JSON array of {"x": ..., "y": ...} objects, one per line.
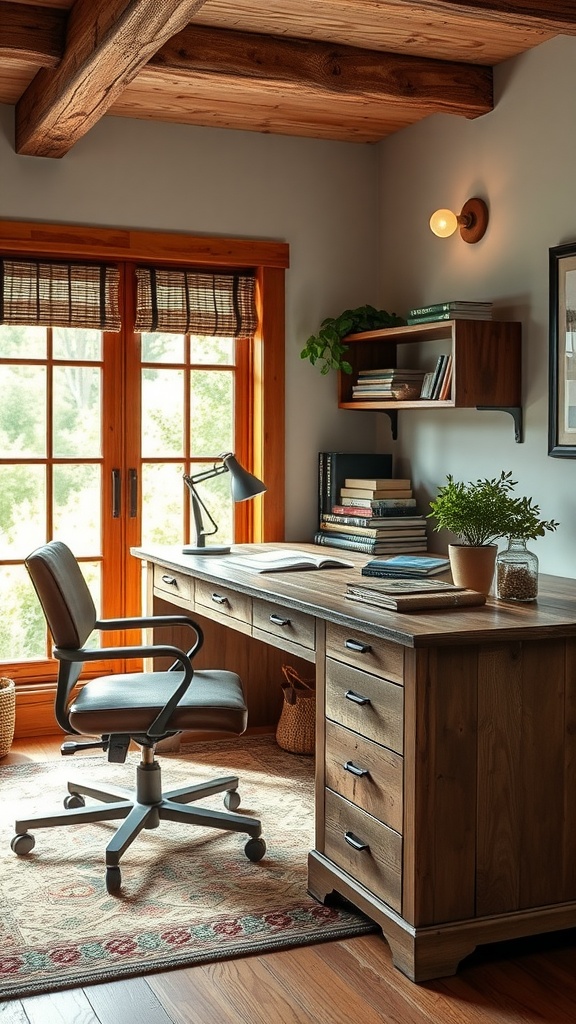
[
  {"x": 482, "y": 511},
  {"x": 327, "y": 347},
  {"x": 77, "y": 488}
]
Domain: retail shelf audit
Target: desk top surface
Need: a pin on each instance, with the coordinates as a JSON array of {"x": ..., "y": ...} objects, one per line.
[{"x": 321, "y": 592}]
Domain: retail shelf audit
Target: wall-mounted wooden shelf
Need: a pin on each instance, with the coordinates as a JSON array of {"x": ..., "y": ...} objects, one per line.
[{"x": 486, "y": 365}]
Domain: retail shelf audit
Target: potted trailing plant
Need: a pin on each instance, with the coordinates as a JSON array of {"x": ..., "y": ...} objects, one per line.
[
  {"x": 327, "y": 347},
  {"x": 479, "y": 513}
]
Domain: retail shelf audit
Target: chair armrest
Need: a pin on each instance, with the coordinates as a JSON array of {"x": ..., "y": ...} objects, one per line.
[
  {"x": 140, "y": 621},
  {"x": 115, "y": 653}
]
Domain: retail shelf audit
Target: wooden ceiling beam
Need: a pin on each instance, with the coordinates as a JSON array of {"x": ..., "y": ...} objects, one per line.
[
  {"x": 309, "y": 68},
  {"x": 552, "y": 15},
  {"x": 34, "y": 34},
  {"x": 108, "y": 41}
]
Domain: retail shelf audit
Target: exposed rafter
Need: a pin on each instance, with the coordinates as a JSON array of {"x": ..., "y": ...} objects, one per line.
[
  {"x": 355, "y": 70},
  {"x": 108, "y": 41}
]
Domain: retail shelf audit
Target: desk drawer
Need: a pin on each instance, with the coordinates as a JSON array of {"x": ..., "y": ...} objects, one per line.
[
  {"x": 221, "y": 601},
  {"x": 371, "y": 653},
  {"x": 378, "y": 863},
  {"x": 365, "y": 773},
  {"x": 366, "y": 704},
  {"x": 178, "y": 584},
  {"x": 284, "y": 623}
]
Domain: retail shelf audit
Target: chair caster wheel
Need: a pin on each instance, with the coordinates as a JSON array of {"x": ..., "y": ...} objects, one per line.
[
  {"x": 74, "y": 800},
  {"x": 255, "y": 849},
  {"x": 22, "y": 844},
  {"x": 232, "y": 800},
  {"x": 113, "y": 880}
]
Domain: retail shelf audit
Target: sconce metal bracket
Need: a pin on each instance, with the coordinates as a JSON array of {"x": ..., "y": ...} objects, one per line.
[{"x": 515, "y": 412}]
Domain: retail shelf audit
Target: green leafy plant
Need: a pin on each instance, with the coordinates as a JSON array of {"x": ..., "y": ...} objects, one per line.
[
  {"x": 327, "y": 348},
  {"x": 480, "y": 512}
]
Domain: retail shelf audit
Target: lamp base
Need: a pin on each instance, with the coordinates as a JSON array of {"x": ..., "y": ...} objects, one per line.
[{"x": 213, "y": 549}]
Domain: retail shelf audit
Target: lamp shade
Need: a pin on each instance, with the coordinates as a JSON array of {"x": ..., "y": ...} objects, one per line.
[{"x": 243, "y": 485}]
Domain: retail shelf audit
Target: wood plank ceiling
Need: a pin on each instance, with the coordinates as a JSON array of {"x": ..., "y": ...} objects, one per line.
[{"x": 351, "y": 70}]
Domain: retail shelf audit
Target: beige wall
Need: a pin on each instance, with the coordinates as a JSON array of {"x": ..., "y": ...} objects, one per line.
[
  {"x": 320, "y": 197},
  {"x": 521, "y": 159}
]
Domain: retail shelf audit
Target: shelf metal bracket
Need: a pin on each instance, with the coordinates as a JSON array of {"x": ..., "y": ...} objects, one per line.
[
  {"x": 515, "y": 412},
  {"x": 392, "y": 415}
]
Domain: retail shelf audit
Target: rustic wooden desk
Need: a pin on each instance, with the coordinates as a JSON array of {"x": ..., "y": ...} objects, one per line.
[{"x": 446, "y": 746}]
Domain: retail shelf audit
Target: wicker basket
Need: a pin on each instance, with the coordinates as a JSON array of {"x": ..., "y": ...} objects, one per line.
[
  {"x": 296, "y": 727},
  {"x": 7, "y": 714}
]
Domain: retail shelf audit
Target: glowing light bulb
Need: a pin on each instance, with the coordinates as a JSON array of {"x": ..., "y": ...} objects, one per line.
[{"x": 443, "y": 223}]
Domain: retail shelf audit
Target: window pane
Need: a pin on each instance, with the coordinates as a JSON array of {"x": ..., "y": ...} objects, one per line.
[
  {"x": 162, "y": 348},
  {"x": 77, "y": 404},
  {"x": 23, "y": 411},
  {"x": 215, "y": 494},
  {"x": 163, "y": 492},
  {"x": 76, "y": 343},
  {"x": 211, "y": 350},
  {"x": 23, "y": 631},
  {"x": 77, "y": 508},
  {"x": 162, "y": 413},
  {"x": 22, "y": 510},
  {"x": 22, "y": 342},
  {"x": 211, "y": 412}
]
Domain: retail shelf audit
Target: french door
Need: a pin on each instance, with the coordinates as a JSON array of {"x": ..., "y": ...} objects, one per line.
[{"x": 97, "y": 428}]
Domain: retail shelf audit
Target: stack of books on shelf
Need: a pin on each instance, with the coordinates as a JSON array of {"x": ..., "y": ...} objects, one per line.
[
  {"x": 437, "y": 384},
  {"x": 456, "y": 309},
  {"x": 376, "y": 516},
  {"x": 388, "y": 383}
]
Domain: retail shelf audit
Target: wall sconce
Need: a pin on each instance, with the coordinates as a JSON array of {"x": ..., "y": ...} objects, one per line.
[
  {"x": 243, "y": 485},
  {"x": 473, "y": 221}
]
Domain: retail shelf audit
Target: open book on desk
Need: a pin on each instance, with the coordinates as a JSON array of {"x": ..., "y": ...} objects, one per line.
[{"x": 284, "y": 560}]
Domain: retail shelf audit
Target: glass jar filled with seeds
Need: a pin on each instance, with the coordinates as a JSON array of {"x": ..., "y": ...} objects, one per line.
[{"x": 516, "y": 572}]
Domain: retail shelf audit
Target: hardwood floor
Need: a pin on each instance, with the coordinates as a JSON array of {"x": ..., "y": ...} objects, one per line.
[{"x": 524, "y": 982}]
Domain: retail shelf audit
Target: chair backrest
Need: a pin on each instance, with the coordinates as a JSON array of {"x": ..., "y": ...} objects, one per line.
[{"x": 63, "y": 593}]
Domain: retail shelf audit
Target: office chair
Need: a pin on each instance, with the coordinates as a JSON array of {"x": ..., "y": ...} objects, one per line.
[{"x": 142, "y": 706}]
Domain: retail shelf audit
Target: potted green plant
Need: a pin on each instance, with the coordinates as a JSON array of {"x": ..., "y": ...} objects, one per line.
[
  {"x": 479, "y": 513},
  {"x": 327, "y": 347}
]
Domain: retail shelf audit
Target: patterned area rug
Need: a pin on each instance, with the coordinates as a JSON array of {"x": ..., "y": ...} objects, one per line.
[{"x": 189, "y": 895}]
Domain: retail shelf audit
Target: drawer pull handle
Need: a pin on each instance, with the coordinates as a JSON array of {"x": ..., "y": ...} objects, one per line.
[
  {"x": 170, "y": 579},
  {"x": 359, "y": 648},
  {"x": 349, "y": 766},
  {"x": 277, "y": 620},
  {"x": 219, "y": 599},
  {"x": 356, "y": 698},
  {"x": 354, "y": 842}
]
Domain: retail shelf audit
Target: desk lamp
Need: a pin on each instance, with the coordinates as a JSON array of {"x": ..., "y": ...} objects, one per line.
[{"x": 243, "y": 485}]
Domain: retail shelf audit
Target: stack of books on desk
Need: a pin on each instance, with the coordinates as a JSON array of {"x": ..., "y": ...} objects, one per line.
[
  {"x": 375, "y": 516},
  {"x": 455, "y": 309},
  {"x": 413, "y": 595}
]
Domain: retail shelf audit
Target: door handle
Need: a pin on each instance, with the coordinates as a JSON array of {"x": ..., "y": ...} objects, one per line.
[
  {"x": 133, "y": 491},
  {"x": 116, "y": 493}
]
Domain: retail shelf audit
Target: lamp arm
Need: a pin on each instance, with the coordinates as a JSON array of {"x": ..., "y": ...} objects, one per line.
[
  {"x": 206, "y": 474},
  {"x": 197, "y": 507}
]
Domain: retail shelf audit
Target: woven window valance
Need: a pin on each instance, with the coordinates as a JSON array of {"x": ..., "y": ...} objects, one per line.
[
  {"x": 187, "y": 302},
  {"x": 59, "y": 294}
]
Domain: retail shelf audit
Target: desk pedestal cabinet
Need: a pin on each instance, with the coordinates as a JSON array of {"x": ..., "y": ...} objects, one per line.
[
  {"x": 446, "y": 751},
  {"x": 447, "y": 792}
]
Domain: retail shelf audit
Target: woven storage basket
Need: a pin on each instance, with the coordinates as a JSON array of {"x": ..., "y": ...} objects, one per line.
[
  {"x": 7, "y": 714},
  {"x": 296, "y": 727}
]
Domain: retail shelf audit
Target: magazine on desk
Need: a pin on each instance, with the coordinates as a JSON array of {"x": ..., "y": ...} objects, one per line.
[{"x": 286, "y": 560}]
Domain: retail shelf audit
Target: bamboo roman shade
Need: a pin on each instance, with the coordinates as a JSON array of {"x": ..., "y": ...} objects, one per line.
[
  {"x": 187, "y": 302},
  {"x": 59, "y": 294}
]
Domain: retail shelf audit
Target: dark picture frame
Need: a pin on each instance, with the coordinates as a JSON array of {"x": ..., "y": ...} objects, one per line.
[{"x": 562, "y": 352}]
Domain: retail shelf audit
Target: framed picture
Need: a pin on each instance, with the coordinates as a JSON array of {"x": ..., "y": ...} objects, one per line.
[{"x": 562, "y": 373}]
